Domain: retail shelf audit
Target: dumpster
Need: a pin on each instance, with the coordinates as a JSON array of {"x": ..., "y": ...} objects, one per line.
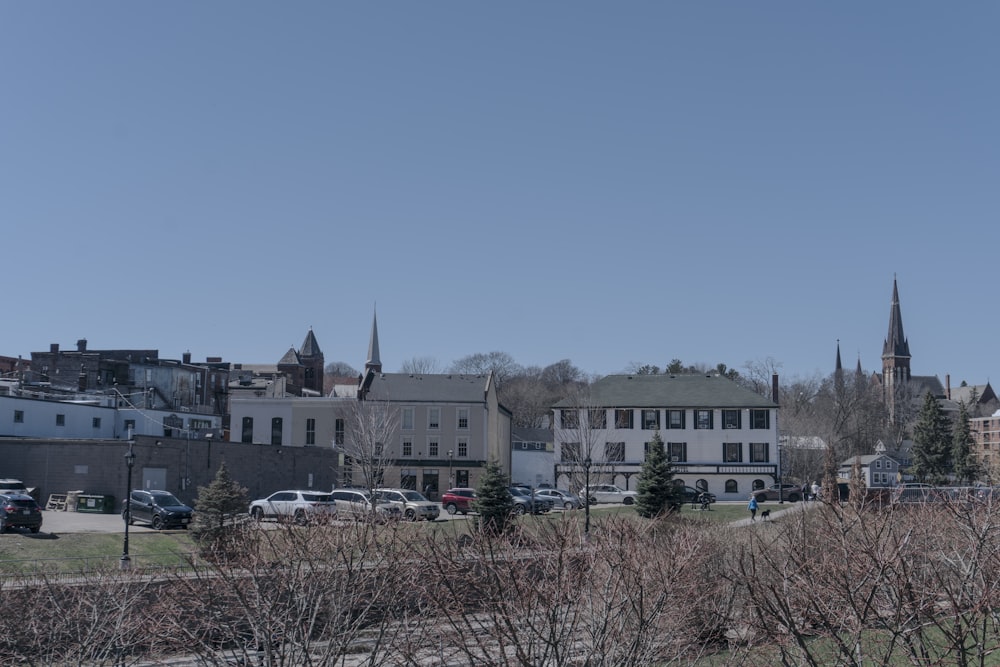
[{"x": 95, "y": 504}]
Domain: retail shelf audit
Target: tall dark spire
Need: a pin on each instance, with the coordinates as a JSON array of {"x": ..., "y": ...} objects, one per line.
[
  {"x": 374, "y": 362},
  {"x": 895, "y": 357},
  {"x": 895, "y": 344},
  {"x": 840, "y": 366}
]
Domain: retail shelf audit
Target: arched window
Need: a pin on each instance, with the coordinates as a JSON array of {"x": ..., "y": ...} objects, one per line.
[
  {"x": 758, "y": 484},
  {"x": 732, "y": 486},
  {"x": 701, "y": 485},
  {"x": 678, "y": 481}
]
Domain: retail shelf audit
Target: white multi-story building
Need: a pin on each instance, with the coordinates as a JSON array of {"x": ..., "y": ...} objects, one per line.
[{"x": 718, "y": 436}]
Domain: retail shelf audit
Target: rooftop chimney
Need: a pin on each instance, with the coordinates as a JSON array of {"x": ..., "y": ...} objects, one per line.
[
  {"x": 54, "y": 348},
  {"x": 186, "y": 358},
  {"x": 774, "y": 387},
  {"x": 947, "y": 386},
  {"x": 81, "y": 345}
]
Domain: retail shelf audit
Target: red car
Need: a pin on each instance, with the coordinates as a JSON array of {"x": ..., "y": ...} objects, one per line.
[{"x": 458, "y": 500}]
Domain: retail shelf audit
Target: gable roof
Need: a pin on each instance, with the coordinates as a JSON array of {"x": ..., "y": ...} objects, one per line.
[
  {"x": 668, "y": 391},
  {"x": 436, "y": 388},
  {"x": 518, "y": 434},
  {"x": 984, "y": 394}
]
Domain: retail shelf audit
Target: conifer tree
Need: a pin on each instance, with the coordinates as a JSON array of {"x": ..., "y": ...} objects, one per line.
[
  {"x": 657, "y": 492},
  {"x": 217, "y": 505},
  {"x": 493, "y": 501},
  {"x": 964, "y": 461},
  {"x": 932, "y": 439}
]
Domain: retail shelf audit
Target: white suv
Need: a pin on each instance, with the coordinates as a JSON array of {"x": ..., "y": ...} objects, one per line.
[
  {"x": 412, "y": 504},
  {"x": 608, "y": 493},
  {"x": 356, "y": 504},
  {"x": 298, "y": 506}
]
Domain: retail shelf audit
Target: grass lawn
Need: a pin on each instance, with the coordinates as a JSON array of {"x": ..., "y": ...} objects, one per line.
[{"x": 21, "y": 553}]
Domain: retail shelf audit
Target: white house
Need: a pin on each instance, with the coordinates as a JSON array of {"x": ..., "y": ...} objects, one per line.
[{"x": 719, "y": 436}]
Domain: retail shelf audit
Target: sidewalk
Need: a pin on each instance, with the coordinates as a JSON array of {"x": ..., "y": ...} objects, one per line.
[{"x": 777, "y": 511}]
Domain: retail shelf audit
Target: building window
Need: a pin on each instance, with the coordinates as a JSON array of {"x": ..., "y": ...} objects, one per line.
[
  {"x": 732, "y": 452},
  {"x": 732, "y": 486},
  {"x": 276, "y": 431},
  {"x": 597, "y": 418},
  {"x": 614, "y": 451},
  {"x": 730, "y": 419},
  {"x": 570, "y": 418},
  {"x": 407, "y": 419},
  {"x": 432, "y": 448},
  {"x": 18, "y": 416},
  {"x": 246, "y": 436},
  {"x": 338, "y": 432},
  {"x": 310, "y": 431},
  {"x": 463, "y": 418},
  {"x": 677, "y": 451},
  {"x": 570, "y": 452},
  {"x": 703, "y": 419},
  {"x": 651, "y": 420},
  {"x": 675, "y": 419},
  {"x": 759, "y": 452},
  {"x": 434, "y": 418},
  {"x": 878, "y": 464},
  {"x": 408, "y": 479},
  {"x": 407, "y": 448},
  {"x": 463, "y": 447},
  {"x": 623, "y": 419},
  {"x": 60, "y": 420},
  {"x": 129, "y": 425},
  {"x": 760, "y": 419},
  {"x": 648, "y": 447},
  {"x": 97, "y": 422}
]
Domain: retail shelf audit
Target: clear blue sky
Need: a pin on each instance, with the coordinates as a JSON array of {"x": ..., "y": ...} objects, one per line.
[{"x": 604, "y": 182}]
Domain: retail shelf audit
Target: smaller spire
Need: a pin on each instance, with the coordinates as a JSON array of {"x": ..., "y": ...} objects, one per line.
[
  {"x": 374, "y": 361},
  {"x": 840, "y": 366}
]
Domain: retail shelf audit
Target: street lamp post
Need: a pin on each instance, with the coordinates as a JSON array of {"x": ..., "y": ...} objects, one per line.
[
  {"x": 126, "y": 562},
  {"x": 586, "y": 499},
  {"x": 451, "y": 478}
]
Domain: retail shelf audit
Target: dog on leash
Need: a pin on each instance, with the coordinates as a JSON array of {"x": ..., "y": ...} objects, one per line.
[{"x": 765, "y": 515}]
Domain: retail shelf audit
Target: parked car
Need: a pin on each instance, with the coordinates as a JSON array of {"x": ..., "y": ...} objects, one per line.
[
  {"x": 790, "y": 492},
  {"x": 458, "y": 500},
  {"x": 527, "y": 502},
  {"x": 298, "y": 506},
  {"x": 160, "y": 509},
  {"x": 412, "y": 504},
  {"x": 608, "y": 493},
  {"x": 691, "y": 495},
  {"x": 357, "y": 504},
  {"x": 561, "y": 498},
  {"x": 19, "y": 510}
]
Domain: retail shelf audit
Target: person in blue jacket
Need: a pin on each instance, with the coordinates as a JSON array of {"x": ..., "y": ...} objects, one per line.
[{"x": 753, "y": 508}]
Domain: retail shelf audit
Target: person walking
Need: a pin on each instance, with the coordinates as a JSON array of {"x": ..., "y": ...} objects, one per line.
[{"x": 753, "y": 508}]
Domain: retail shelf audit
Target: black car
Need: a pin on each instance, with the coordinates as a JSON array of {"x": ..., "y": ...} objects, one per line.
[
  {"x": 695, "y": 497},
  {"x": 160, "y": 509},
  {"x": 19, "y": 510}
]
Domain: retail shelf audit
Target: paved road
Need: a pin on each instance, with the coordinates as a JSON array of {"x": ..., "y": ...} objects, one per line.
[{"x": 85, "y": 522}]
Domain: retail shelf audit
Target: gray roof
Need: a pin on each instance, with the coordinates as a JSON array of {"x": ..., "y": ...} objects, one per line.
[
  {"x": 667, "y": 391},
  {"x": 532, "y": 435},
  {"x": 430, "y": 388}
]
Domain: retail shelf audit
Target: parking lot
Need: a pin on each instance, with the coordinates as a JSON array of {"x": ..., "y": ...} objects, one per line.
[{"x": 86, "y": 522}]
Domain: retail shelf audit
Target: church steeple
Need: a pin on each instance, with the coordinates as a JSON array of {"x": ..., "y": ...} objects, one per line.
[
  {"x": 374, "y": 362},
  {"x": 895, "y": 355},
  {"x": 840, "y": 366},
  {"x": 896, "y": 344}
]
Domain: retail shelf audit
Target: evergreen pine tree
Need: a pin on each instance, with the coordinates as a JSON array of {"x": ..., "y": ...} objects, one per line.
[
  {"x": 493, "y": 501},
  {"x": 217, "y": 505},
  {"x": 964, "y": 461},
  {"x": 932, "y": 440},
  {"x": 657, "y": 492}
]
